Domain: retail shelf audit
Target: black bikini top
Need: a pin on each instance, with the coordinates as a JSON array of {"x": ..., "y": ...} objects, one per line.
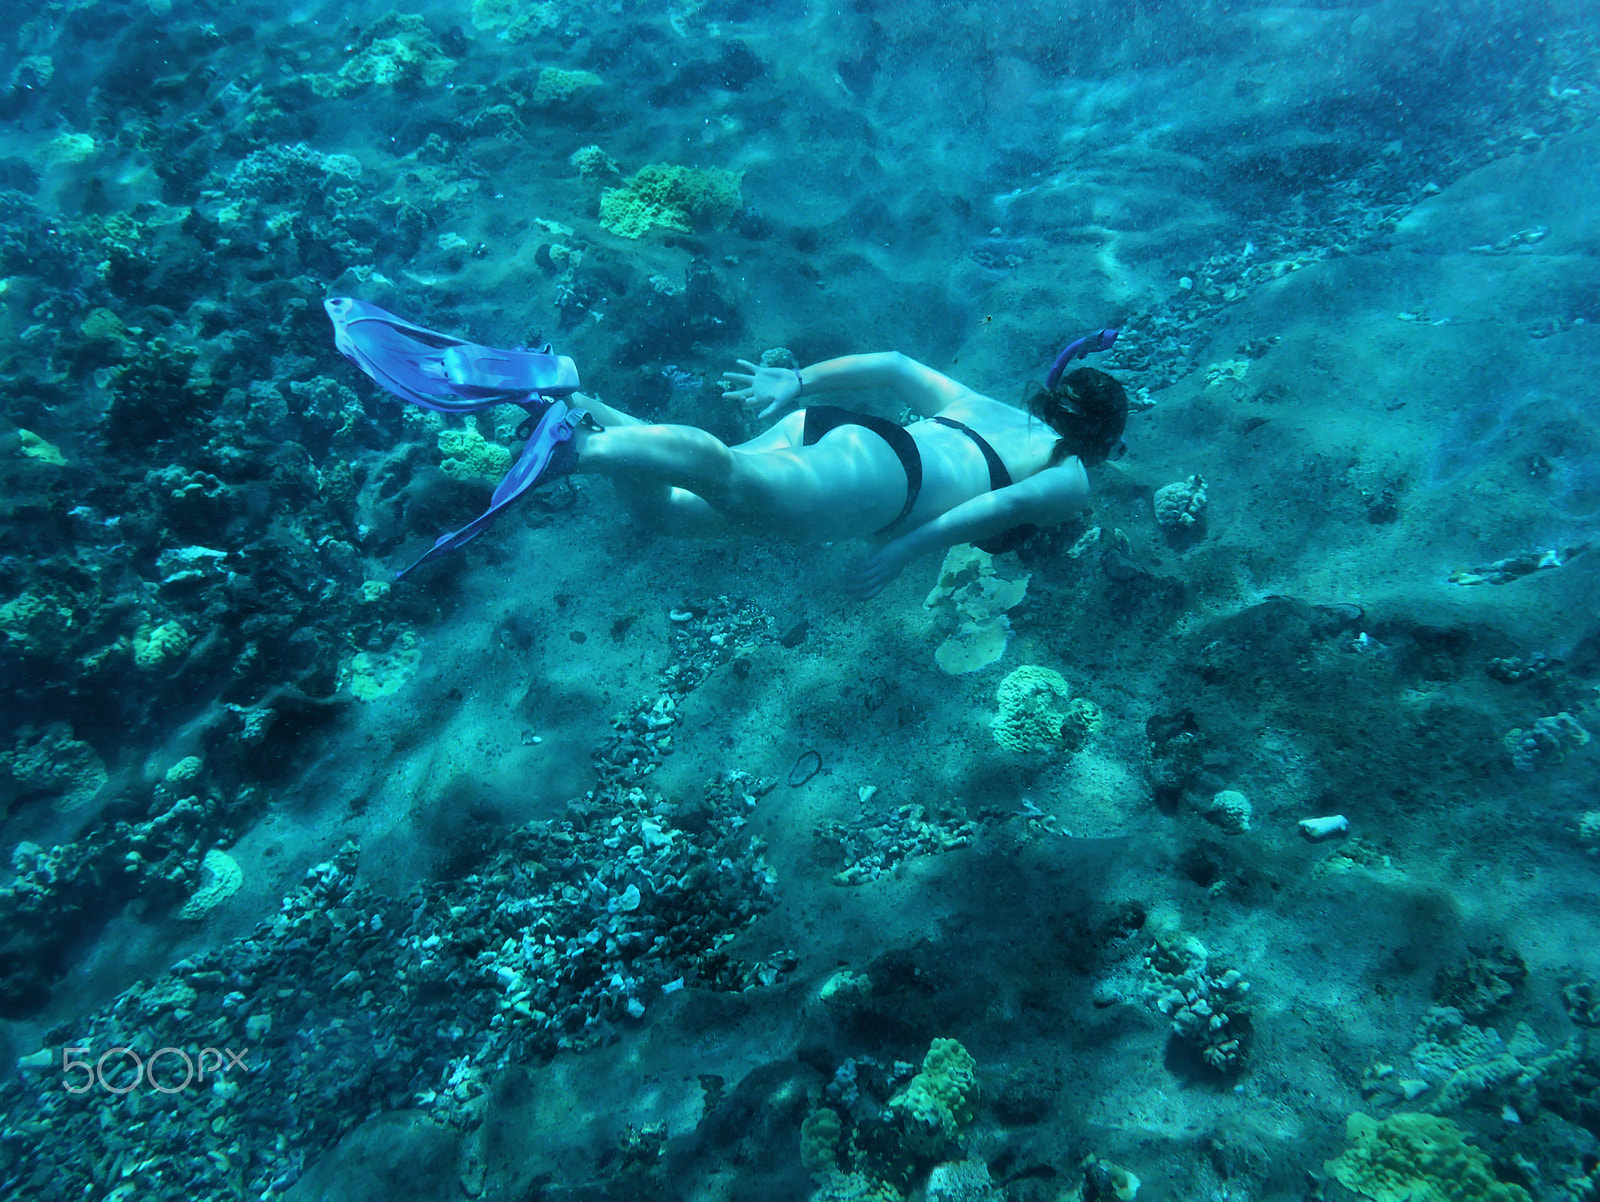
[
  {"x": 1006, "y": 540},
  {"x": 998, "y": 476}
]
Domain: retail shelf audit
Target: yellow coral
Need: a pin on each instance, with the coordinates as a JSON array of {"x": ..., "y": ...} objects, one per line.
[
  {"x": 373, "y": 675},
  {"x": 1417, "y": 1158},
  {"x": 470, "y": 456},
  {"x": 184, "y": 770},
  {"x": 937, "y": 1104},
  {"x": 157, "y": 646},
  {"x": 34, "y": 447},
  {"x": 35, "y": 624}
]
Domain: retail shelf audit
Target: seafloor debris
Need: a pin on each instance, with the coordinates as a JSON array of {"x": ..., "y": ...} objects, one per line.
[
  {"x": 1504, "y": 571},
  {"x": 873, "y": 845}
]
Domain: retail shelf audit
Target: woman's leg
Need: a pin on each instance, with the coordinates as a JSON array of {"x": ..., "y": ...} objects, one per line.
[
  {"x": 681, "y": 479},
  {"x": 746, "y": 485},
  {"x": 670, "y": 510}
]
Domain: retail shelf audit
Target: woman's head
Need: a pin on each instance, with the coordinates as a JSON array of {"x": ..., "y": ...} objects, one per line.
[{"x": 1088, "y": 409}]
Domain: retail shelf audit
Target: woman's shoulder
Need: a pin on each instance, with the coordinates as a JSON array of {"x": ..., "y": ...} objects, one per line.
[{"x": 971, "y": 406}]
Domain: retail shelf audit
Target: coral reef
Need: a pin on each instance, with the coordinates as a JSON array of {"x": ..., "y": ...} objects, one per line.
[
  {"x": 1417, "y": 1158},
  {"x": 1181, "y": 506},
  {"x": 980, "y": 598},
  {"x": 668, "y": 196},
  {"x": 937, "y": 1104},
  {"x": 1206, "y": 1004},
  {"x": 879, "y": 1129},
  {"x": 1547, "y": 741},
  {"x": 396, "y": 51},
  {"x": 1229, "y": 809},
  {"x": 470, "y": 457},
  {"x": 1481, "y": 983},
  {"x": 51, "y": 763},
  {"x": 1035, "y": 711}
]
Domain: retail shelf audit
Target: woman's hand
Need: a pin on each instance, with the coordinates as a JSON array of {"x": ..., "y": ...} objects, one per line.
[
  {"x": 875, "y": 573},
  {"x": 773, "y": 388}
]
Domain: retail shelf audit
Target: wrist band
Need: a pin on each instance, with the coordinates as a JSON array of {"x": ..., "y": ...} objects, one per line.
[{"x": 800, "y": 380}]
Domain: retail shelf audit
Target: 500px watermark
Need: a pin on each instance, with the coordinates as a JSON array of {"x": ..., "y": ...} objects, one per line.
[{"x": 165, "y": 1070}]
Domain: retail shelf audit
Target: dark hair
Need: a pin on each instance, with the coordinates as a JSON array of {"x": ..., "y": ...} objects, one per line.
[{"x": 1087, "y": 408}]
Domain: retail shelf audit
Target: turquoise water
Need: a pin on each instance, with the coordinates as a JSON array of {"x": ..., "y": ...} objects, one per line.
[{"x": 1233, "y": 839}]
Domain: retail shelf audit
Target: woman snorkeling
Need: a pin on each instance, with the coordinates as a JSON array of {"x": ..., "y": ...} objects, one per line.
[{"x": 970, "y": 470}]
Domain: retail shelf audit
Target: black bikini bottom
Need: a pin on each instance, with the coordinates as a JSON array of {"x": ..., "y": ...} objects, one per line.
[{"x": 822, "y": 418}]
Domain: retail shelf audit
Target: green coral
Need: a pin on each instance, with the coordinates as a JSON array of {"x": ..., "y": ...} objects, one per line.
[
  {"x": 54, "y": 763},
  {"x": 592, "y": 163},
  {"x": 36, "y": 625},
  {"x": 395, "y": 50},
  {"x": 821, "y": 1141},
  {"x": 558, "y": 86},
  {"x": 157, "y": 646},
  {"x": 672, "y": 197},
  {"x": 937, "y": 1104},
  {"x": 470, "y": 457},
  {"x": 1036, "y": 712},
  {"x": 1417, "y": 1158}
]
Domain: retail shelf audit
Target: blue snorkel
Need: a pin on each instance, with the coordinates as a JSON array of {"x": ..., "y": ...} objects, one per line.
[{"x": 1089, "y": 344}]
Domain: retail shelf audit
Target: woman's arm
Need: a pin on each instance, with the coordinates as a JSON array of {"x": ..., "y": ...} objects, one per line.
[
  {"x": 775, "y": 388},
  {"x": 1043, "y": 499}
]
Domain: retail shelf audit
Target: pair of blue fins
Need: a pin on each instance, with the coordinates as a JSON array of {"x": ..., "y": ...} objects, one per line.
[{"x": 449, "y": 375}]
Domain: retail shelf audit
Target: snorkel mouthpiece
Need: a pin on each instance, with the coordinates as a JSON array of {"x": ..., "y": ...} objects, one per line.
[{"x": 1089, "y": 344}]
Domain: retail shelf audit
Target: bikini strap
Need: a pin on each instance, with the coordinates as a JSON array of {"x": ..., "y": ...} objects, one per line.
[{"x": 998, "y": 476}]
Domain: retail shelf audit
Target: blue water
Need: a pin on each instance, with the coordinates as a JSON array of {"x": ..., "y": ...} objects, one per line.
[{"x": 623, "y": 852}]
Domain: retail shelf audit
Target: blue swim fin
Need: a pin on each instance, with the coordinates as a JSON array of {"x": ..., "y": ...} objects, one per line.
[
  {"x": 449, "y": 375},
  {"x": 439, "y": 372}
]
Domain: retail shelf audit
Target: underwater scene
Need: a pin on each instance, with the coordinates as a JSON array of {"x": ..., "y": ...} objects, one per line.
[{"x": 712, "y": 601}]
